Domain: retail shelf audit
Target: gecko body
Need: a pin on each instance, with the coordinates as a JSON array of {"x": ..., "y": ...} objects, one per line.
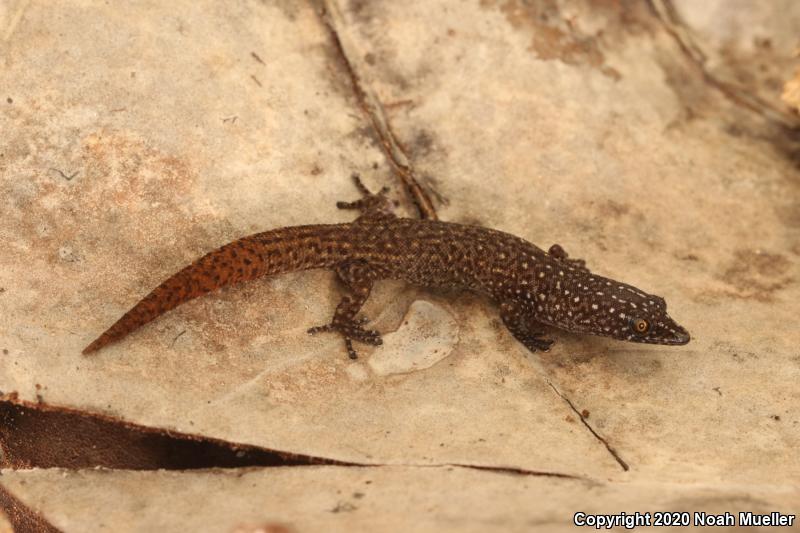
[{"x": 532, "y": 287}]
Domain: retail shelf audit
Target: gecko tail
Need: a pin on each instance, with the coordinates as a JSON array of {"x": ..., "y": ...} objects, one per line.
[{"x": 244, "y": 259}]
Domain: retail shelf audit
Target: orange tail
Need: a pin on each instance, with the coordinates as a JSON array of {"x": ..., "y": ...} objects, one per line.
[{"x": 272, "y": 252}]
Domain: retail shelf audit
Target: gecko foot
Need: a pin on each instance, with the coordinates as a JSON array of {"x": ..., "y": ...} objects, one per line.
[
  {"x": 350, "y": 330},
  {"x": 521, "y": 324},
  {"x": 534, "y": 341},
  {"x": 370, "y": 203}
]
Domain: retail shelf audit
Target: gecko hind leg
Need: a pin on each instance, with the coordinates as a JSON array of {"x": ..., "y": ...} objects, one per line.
[
  {"x": 520, "y": 324},
  {"x": 370, "y": 204},
  {"x": 359, "y": 278},
  {"x": 559, "y": 253}
]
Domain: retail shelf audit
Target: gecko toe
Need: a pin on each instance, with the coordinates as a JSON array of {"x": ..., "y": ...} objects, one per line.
[
  {"x": 351, "y": 352},
  {"x": 367, "y": 336},
  {"x": 351, "y": 331},
  {"x": 534, "y": 343},
  {"x": 320, "y": 329},
  {"x": 544, "y": 344},
  {"x": 349, "y": 205}
]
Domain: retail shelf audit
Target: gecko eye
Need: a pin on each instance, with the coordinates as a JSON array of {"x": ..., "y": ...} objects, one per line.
[{"x": 640, "y": 325}]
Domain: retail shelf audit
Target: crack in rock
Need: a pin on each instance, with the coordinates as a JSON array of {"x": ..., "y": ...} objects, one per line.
[
  {"x": 610, "y": 449},
  {"x": 46, "y": 436}
]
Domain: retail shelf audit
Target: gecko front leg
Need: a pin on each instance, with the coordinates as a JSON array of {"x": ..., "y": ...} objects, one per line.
[
  {"x": 521, "y": 324},
  {"x": 359, "y": 278}
]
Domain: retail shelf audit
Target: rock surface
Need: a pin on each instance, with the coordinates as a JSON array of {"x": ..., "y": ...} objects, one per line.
[{"x": 647, "y": 138}]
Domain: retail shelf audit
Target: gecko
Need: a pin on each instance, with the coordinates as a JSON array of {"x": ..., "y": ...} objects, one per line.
[{"x": 531, "y": 287}]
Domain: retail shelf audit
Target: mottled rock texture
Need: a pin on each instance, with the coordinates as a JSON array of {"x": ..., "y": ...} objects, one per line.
[{"x": 648, "y": 138}]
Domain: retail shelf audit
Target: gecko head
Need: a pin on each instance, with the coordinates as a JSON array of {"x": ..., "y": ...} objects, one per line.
[
  {"x": 623, "y": 312},
  {"x": 651, "y": 324}
]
